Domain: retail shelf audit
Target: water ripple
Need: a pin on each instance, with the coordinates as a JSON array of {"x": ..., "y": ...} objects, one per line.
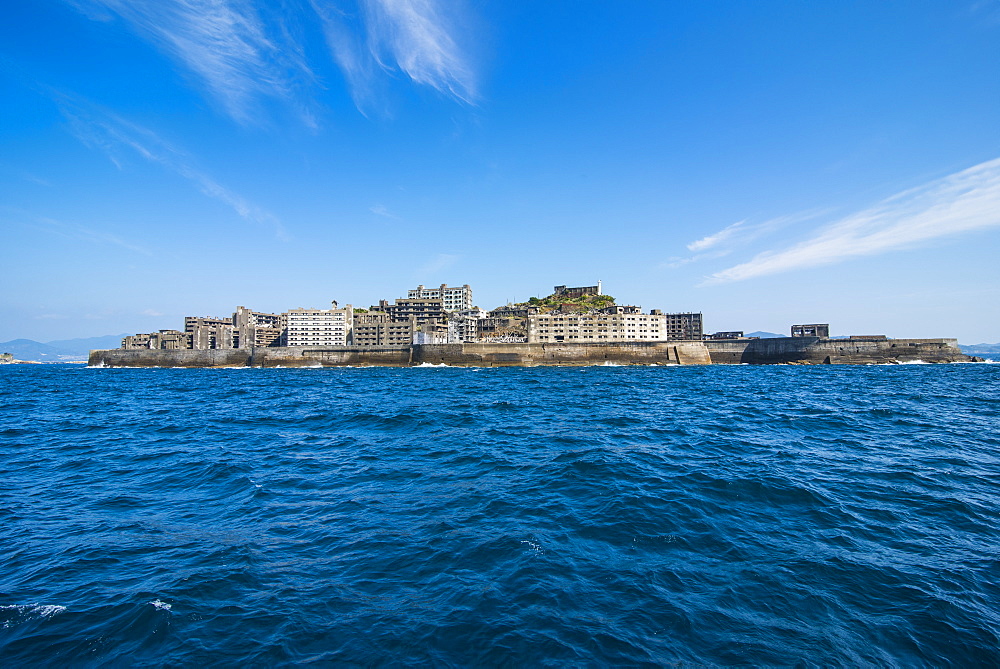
[{"x": 458, "y": 517}]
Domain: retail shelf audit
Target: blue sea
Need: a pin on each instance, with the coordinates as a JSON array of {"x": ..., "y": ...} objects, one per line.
[{"x": 584, "y": 517}]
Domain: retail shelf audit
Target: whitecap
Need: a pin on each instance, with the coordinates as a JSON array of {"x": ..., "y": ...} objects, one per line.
[
  {"x": 535, "y": 548},
  {"x": 46, "y": 610},
  {"x": 162, "y": 606},
  {"x": 30, "y": 610}
]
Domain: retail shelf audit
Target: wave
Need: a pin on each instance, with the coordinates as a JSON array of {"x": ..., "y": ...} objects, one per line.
[
  {"x": 718, "y": 516},
  {"x": 14, "y": 614}
]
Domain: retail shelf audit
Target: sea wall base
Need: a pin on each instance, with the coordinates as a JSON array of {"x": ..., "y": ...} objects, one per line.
[
  {"x": 820, "y": 351},
  {"x": 783, "y": 350},
  {"x": 455, "y": 355}
]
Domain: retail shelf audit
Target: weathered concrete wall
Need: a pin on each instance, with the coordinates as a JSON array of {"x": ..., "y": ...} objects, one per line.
[
  {"x": 798, "y": 350},
  {"x": 305, "y": 356},
  {"x": 323, "y": 356},
  {"x": 727, "y": 352},
  {"x": 459, "y": 355},
  {"x": 221, "y": 357},
  {"x": 527, "y": 355},
  {"x": 814, "y": 350},
  {"x": 841, "y": 351}
]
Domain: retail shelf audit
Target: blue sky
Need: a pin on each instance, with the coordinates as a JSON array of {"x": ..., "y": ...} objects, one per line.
[{"x": 766, "y": 163}]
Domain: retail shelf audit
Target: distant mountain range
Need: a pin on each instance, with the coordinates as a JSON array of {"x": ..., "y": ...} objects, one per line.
[
  {"x": 980, "y": 349},
  {"x": 763, "y": 335},
  {"x": 60, "y": 350}
]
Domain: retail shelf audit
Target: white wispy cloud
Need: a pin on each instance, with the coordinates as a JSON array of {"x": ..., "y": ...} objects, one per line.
[
  {"x": 240, "y": 56},
  {"x": 438, "y": 263},
  {"x": 382, "y": 210},
  {"x": 680, "y": 261},
  {"x": 245, "y": 52},
  {"x": 963, "y": 202},
  {"x": 715, "y": 239},
  {"x": 743, "y": 232},
  {"x": 104, "y": 130},
  {"x": 37, "y": 180},
  {"x": 416, "y": 37},
  {"x": 735, "y": 235},
  {"x": 79, "y": 232}
]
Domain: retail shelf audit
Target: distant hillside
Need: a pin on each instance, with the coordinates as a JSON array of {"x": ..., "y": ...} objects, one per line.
[
  {"x": 763, "y": 335},
  {"x": 60, "y": 350},
  {"x": 980, "y": 349}
]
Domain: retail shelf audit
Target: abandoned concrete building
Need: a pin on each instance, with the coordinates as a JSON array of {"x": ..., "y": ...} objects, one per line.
[
  {"x": 429, "y": 315},
  {"x": 582, "y": 291},
  {"x": 811, "y": 330},
  {"x": 452, "y": 298},
  {"x": 377, "y": 328},
  {"x": 162, "y": 339},
  {"x": 319, "y": 327},
  {"x": 685, "y": 326}
]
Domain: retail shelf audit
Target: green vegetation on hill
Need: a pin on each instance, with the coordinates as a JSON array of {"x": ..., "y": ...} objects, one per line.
[{"x": 583, "y": 304}]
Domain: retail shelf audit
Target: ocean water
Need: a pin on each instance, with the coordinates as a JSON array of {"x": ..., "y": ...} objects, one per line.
[{"x": 727, "y": 515}]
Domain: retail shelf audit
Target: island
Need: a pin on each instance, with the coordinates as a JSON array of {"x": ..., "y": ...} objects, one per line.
[{"x": 440, "y": 326}]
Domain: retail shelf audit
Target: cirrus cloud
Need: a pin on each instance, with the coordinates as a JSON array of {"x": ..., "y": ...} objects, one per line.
[
  {"x": 962, "y": 202},
  {"x": 243, "y": 52}
]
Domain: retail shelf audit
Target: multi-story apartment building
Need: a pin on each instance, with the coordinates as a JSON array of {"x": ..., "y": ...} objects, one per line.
[
  {"x": 463, "y": 325},
  {"x": 135, "y": 341},
  {"x": 424, "y": 310},
  {"x": 601, "y": 328},
  {"x": 319, "y": 327},
  {"x": 245, "y": 328},
  {"x": 430, "y": 333},
  {"x": 163, "y": 339},
  {"x": 376, "y": 328},
  {"x": 253, "y": 328},
  {"x": 492, "y": 329},
  {"x": 683, "y": 327},
  {"x": 207, "y": 332},
  {"x": 452, "y": 298},
  {"x": 596, "y": 328}
]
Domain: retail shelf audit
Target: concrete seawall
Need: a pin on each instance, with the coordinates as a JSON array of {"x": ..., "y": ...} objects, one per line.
[
  {"x": 819, "y": 351},
  {"x": 317, "y": 356},
  {"x": 783, "y": 350},
  {"x": 456, "y": 355},
  {"x": 170, "y": 358},
  {"x": 528, "y": 355}
]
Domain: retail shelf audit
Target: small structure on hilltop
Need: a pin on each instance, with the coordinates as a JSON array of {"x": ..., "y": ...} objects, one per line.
[
  {"x": 811, "y": 330},
  {"x": 582, "y": 291}
]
